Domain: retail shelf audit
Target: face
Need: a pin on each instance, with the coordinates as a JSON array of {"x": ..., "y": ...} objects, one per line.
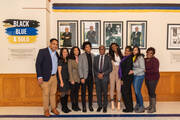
[
  {"x": 102, "y": 50},
  {"x": 127, "y": 52},
  {"x": 149, "y": 54},
  {"x": 135, "y": 51},
  {"x": 87, "y": 48},
  {"x": 66, "y": 29},
  {"x": 114, "y": 47},
  {"x": 76, "y": 51},
  {"x": 53, "y": 45},
  {"x": 65, "y": 53},
  {"x": 136, "y": 29},
  {"x": 91, "y": 27}
]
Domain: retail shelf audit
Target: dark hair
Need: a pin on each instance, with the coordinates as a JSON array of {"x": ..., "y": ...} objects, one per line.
[
  {"x": 151, "y": 49},
  {"x": 53, "y": 39},
  {"x": 111, "y": 52},
  {"x": 61, "y": 55},
  {"x": 130, "y": 48},
  {"x": 86, "y": 43},
  {"x": 72, "y": 56},
  {"x": 139, "y": 52}
]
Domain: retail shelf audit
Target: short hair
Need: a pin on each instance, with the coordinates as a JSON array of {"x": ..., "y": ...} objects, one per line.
[
  {"x": 53, "y": 39},
  {"x": 130, "y": 48},
  {"x": 151, "y": 49},
  {"x": 86, "y": 43}
]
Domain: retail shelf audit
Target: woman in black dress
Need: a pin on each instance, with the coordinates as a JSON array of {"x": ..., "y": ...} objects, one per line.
[
  {"x": 126, "y": 65},
  {"x": 64, "y": 78}
]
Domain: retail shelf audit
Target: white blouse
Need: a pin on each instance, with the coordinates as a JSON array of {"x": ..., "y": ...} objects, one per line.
[{"x": 117, "y": 60}]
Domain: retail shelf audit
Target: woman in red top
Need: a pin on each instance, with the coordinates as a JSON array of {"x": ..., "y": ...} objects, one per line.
[{"x": 151, "y": 78}]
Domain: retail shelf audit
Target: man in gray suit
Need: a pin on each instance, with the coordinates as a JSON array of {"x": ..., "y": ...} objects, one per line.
[
  {"x": 102, "y": 69},
  {"x": 91, "y": 35},
  {"x": 85, "y": 68}
]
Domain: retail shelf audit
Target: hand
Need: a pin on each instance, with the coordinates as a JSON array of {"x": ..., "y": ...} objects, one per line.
[
  {"x": 82, "y": 81},
  {"x": 121, "y": 82},
  {"x": 100, "y": 76},
  {"x": 130, "y": 72},
  {"x": 144, "y": 70},
  {"x": 62, "y": 84},
  {"x": 62, "y": 36},
  {"x": 67, "y": 37},
  {"x": 40, "y": 81},
  {"x": 72, "y": 82}
]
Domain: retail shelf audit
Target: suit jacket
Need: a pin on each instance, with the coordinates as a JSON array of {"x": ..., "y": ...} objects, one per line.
[
  {"x": 107, "y": 67},
  {"x": 126, "y": 66},
  {"x": 91, "y": 36},
  {"x": 44, "y": 64},
  {"x": 73, "y": 71},
  {"x": 136, "y": 38},
  {"x": 83, "y": 65}
]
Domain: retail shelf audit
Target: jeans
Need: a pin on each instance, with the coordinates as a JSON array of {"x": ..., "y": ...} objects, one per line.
[
  {"x": 151, "y": 86},
  {"x": 137, "y": 83}
]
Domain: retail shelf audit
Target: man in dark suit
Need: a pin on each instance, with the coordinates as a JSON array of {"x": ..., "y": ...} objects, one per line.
[
  {"x": 102, "y": 69},
  {"x": 66, "y": 36},
  {"x": 91, "y": 35},
  {"x": 46, "y": 69},
  {"x": 136, "y": 37}
]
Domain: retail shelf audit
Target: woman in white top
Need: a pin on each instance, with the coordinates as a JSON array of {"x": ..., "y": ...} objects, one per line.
[{"x": 116, "y": 56}]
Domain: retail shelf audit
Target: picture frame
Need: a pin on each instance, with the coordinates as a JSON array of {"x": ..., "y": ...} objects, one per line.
[
  {"x": 137, "y": 34},
  {"x": 113, "y": 33},
  {"x": 67, "y": 33},
  {"x": 90, "y": 31},
  {"x": 173, "y": 36}
]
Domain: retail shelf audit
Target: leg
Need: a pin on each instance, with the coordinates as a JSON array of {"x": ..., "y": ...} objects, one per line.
[
  {"x": 46, "y": 94},
  {"x": 83, "y": 94},
  {"x": 112, "y": 87},
  {"x": 99, "y": 92},
  {"x": 104, "y": 91},
  {"x": 53, "y": 91},
  {"x": 72, "y": 95},
  {"x": 90, "y": 90}
]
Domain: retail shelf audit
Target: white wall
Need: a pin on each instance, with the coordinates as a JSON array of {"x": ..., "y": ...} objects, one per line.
[
  {"x": 22, "y": 9},
  {"x": 156, "y": 26}
]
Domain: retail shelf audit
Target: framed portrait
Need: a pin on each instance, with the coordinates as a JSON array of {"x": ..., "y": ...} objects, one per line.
[
  {"x": 137, "y": 34},
  {"x": 173, "y": 36},
  {"x": 67, "y": 33},
  {"x": 113, "y": 33},
  {"x": 91, "y": 31}
]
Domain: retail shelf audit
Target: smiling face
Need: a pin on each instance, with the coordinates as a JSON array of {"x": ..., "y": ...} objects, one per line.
[
  {"x": 102, "y": 50},
  {"x": 127, "y": 52},
  {"x": 135, "y": 51},
  {"x": 53, "y": 45},
  {"x": 76, "y": 51},
  {"x": 64, "y": 53},
  {"x": 87, "y": 48},
  {"x": 149, "y": 54},
  {"x": 114, "y": 47}
]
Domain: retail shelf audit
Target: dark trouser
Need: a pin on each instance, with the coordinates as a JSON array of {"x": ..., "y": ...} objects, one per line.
[
  {"x": 89, "y": 84},
  {"x": 102, "y": 89},
  {"x": 74, "y": 94},
  {"x": 64, "y": 101},
  {"x": 127, "y": 94},
  {"x": 151, "y": 86}
]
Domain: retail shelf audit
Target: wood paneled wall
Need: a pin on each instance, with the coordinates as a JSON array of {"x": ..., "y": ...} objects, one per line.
[{"x": 23, "y": 90}]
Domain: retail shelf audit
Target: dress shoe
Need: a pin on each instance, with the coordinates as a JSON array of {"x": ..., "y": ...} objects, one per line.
[
  {"x": 74, "y": 108},
  {"x": 84, "y": 109},
  {"x": 55, "y": 111},
  {"x": 99, "y": 109},
  {"x": 68, "y": 109},
  {"x": 46, "y": 113},
  {"x": 105, "y": 110},
  {"x": 91, "y": 108},
  {"x": 77, "y": 107},
  {"x": 126, "y": 110},
  {"x": 65, "y": 110}
]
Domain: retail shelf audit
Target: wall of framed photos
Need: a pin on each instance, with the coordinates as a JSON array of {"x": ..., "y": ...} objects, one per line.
[{"x": 158, "y": 29}]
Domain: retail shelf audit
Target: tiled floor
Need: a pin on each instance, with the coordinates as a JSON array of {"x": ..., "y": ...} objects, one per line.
[{"x": 165, "y": 111}]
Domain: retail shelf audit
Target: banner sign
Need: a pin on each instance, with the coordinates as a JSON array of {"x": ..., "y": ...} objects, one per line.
[{"x": 21, "y": 31}]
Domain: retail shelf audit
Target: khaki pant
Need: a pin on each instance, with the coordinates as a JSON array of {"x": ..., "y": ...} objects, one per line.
[
  {"x": 49, "y": 89},
  {"x": 115, "y": 81}
]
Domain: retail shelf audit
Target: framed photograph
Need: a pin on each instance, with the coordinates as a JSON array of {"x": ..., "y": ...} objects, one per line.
[
  {"x": 137, "y": 34},
  {"x": 91, "y": 31},
  {"x": 113, "y": 33},
  {"x": 173, "y": 36},
  {"x": 67, "y": 33}
]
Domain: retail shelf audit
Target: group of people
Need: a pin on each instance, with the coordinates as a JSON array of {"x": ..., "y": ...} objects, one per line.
[{"x": 71, "y": 71}]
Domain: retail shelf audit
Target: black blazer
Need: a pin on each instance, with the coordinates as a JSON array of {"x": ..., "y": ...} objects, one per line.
[
  {"x": 126, "y": 66},
  {"x": 107, "y": 67},
  {"x": 44, "y": 64}
]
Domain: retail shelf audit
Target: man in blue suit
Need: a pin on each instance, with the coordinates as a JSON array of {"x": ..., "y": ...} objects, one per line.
[{"x": 46, "y": 69}]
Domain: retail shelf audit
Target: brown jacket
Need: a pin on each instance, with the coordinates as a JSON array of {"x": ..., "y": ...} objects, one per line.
[{"x": 73, "y": 71}]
